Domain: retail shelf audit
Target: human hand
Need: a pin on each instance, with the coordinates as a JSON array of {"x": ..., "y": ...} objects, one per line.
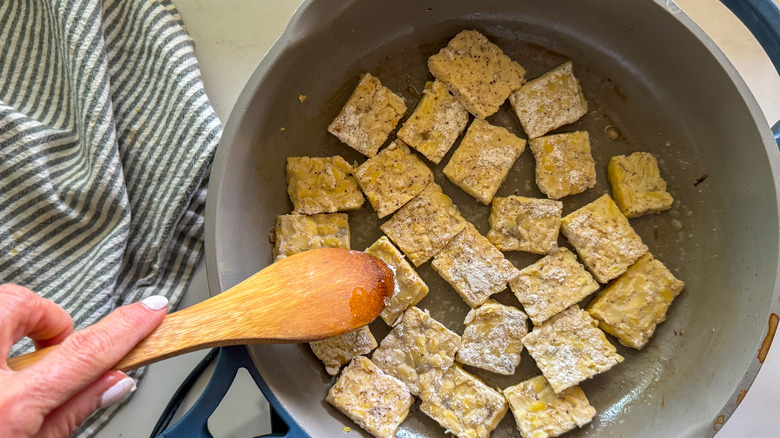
[{"x": 54, "y": 396}]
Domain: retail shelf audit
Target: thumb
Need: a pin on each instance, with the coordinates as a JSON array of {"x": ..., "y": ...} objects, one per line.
[{"x": 105, "y": 391}]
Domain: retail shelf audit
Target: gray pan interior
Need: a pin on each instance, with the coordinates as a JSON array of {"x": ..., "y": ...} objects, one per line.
[{"x": 645, "y": 69}]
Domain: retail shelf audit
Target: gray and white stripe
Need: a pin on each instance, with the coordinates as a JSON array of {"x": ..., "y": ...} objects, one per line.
[{"x": 106, "y": 136}]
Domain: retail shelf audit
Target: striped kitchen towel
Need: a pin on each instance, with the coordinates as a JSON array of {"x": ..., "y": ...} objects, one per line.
[{"x": 106, "y": 138}]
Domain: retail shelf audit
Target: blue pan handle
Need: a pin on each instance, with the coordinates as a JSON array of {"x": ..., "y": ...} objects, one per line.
[
  {"x": 762, "y": 18},
  {"x": 776, "y": 130},
  {"x": 194, "y": 424}
]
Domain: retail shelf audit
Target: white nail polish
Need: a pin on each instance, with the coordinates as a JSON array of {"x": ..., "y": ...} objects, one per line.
[
  {"x": 117, "y": 391},
  {"x": 155, "y": 302}
]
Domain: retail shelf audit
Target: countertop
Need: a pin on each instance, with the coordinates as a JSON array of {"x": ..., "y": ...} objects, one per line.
[{"x": 231, "y": 37}]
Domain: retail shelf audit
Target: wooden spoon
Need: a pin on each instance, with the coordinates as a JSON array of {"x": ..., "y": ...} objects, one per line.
[{"x": 309, "y": 296}]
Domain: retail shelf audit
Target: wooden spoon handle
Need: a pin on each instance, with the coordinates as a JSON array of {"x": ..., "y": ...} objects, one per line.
[
  {"x": 25, "y": 360},
  {"x": 176, "y": 335}
]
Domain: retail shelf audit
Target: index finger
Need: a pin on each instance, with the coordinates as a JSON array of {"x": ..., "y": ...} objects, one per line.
[
  {"x": 86, "y": 354},
  {"x": 24, "y": 313}
]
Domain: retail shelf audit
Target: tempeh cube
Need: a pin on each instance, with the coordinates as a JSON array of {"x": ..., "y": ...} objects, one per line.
[
  {"x": 409, "y": 287},
  {"x": 430, "y": 343},
  {"x": 569, "y": 348},
  {"x": 392, "y": 178},
  {"x": 518, "y": 223},
  {"x": 376, "y": 402},
  {"x": 474, "y": 267},
  {"x": 461, "y": 403},
  {"x": 636, "y": 302},
  {"x": 603, "y": 238},
  {"x": 477, "y": 72},
  {"x": 437, "y": 121},
  {"x": 637, "y": 185},
  {"x": 338, "y": 351},
  {"x": 493, "y": 337},
  {"x": 423, "y": 226},
  {"x": 550, "y": 101},
  {"x": 541, "y": 413},
  {"x": 483, "y": 159},
  {"x": 322, "y": 185},
  {"x": 393, "y": 358},
  {"x": 368, "y": 117},
  {"x": 552, "y": 284},
  {"x": 564, "y": 164},
  {"x": 296, "y": 233},
  {"x": 415, "y": 345}
]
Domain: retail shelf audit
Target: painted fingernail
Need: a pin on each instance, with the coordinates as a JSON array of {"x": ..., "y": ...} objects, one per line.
[
  {"x": 116, "y": 392},
  {"x": 155, "y": 302}
]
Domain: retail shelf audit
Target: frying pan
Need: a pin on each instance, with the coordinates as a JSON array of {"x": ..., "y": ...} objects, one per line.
[{"x": 649, "y": 75}]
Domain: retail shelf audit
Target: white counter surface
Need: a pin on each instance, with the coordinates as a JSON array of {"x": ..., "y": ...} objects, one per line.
[{"x": 231, "y": 37}]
